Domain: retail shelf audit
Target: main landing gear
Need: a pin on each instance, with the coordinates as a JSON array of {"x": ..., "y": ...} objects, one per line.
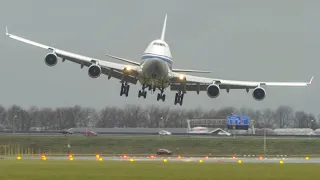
[
  {"x": 142, "y": 93},
  {"x": 124, "y": 89},
  {"x": 179, "y": 98},
  {"x": 161, "y": 95}
]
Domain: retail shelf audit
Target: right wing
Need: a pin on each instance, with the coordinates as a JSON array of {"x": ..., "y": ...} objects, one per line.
[
  {"x": 196, "y": 83},
  {"x": 118, "y": 71}
]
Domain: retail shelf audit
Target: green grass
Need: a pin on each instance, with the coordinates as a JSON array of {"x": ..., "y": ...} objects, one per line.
[
  {"x": 115, "y": 170},
  {"x": 148, "y": 145}
]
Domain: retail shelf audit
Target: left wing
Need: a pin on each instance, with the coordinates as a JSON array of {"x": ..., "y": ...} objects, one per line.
[
  {"x": 195, "y": 83},
  {"x": 190, "y": 70},
  {"x": 118, "y": 71}
]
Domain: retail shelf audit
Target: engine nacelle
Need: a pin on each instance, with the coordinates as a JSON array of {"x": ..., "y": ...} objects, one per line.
[
  {"x": 51, "y": 59},
  {"x": 213, "y": 91},
  {"x": 259, "y": 93},
  {"x": 94, "y": 71}
]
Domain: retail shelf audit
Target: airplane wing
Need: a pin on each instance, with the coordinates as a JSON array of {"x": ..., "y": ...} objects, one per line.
[
  {"x": 189, "y": 70},
  {"x": 195, "y": 83},
  {"x": 123, "y": 59},
  {"x": 115, "y": 70}
]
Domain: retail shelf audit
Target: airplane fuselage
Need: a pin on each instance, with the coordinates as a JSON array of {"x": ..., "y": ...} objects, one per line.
[{"x": 156, "y": 65}]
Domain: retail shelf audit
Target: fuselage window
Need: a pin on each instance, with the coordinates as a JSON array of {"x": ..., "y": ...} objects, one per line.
[{"x": 159, "y": 44}]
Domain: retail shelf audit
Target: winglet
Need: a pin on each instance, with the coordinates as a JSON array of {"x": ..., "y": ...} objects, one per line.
[
  {"x": 7, "y": 32},
  {"x": 310, "y": 82}
]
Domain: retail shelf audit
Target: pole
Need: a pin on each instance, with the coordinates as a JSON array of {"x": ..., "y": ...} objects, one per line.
[
  {"x": 234, "y": 132},
  {"x": 264, "y": 142}
]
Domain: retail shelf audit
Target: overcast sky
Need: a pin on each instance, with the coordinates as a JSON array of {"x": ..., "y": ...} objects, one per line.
[{"x": 275, "y": 40}]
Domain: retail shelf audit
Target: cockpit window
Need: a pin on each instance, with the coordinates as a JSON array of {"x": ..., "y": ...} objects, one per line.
[{"x": 159, "y": 44}]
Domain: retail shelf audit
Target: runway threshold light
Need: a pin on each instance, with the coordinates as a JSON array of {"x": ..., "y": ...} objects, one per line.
[{"x": 43, "y": 157}]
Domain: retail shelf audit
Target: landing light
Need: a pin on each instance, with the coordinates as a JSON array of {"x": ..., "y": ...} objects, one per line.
[
  {"x": 181, "y": 76},
  {"x": 128, "y": 68}
]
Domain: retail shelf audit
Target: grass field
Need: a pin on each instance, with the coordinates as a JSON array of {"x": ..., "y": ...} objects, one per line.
[
  {"x": 148, "y": 145},
  {"x": 115, "y": 170}
]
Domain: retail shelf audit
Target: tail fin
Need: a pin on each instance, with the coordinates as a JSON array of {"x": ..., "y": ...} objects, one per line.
[{"x": 164, "y": 28}]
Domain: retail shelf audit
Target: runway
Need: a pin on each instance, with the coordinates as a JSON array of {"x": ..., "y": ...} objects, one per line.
[
  {"x": 176, "y": 159},
  {"x": 155, "y": 135}
]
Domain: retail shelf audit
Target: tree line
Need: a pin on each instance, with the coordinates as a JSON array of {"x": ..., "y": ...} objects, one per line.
[{"x": 19, "y": 119}]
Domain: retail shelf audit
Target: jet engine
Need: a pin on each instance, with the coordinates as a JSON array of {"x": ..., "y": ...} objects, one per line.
[
  {"x": 51, "y": 59},
  {"x": 259, "y": 93},
  {"x": 94, "y": 71},
  {"x": 213, "y": 91}
]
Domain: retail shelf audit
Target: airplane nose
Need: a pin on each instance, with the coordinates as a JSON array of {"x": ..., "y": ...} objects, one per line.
[{"x": 155, "y": 68}]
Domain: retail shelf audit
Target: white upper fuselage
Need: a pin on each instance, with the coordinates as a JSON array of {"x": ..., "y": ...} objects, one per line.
[{"x": 156, "y": 64}]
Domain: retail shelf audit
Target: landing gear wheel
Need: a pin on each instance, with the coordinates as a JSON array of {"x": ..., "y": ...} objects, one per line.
[
  {"x": 127, "y": 90},
  {"x": 178, "y": 99},
  {"x": 142, "y": 93},
  {"x": 124, "y": 89}
]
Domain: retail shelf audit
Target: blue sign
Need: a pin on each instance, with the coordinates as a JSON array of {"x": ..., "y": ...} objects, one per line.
[{"x": 238, "y": 120}]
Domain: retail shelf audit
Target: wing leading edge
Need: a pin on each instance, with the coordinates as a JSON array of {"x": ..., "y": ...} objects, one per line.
[
  {"x": 196, "y": 83},
  {"x": 108, "y": 68}
]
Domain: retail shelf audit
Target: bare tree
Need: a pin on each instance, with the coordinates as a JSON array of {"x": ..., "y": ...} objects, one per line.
[
  {"x": 3, "y": 119},
  {"x": 283, "y": 114}
]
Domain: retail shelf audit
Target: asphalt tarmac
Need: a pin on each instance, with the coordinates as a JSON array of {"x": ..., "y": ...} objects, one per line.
[{"x": 182, "y": 159}]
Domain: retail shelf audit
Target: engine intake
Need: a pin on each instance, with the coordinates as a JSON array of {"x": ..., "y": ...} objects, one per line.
[
  {"x": 259, "y": 93},
  {"x": 51, "y": 59},
  {"x": 94, "y": 71},
  {"x": 213, "y": 91}
]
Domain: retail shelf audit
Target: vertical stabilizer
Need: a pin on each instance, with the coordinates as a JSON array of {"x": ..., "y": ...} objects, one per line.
[{"x": 164, "y": 28}]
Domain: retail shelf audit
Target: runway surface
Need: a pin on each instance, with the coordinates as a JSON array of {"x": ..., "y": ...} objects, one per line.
[{"x": 182, "y": 159}]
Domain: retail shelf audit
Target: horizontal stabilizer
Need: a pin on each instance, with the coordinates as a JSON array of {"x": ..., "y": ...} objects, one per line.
[
  {"x": 189, "y": 70},
  {"x": 125, "y": 60}
]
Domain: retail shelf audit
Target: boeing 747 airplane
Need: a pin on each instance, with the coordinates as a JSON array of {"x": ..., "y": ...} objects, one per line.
[{"x": 155, "y": 72}]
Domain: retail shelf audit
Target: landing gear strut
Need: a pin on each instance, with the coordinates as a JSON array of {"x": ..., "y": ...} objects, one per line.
[
  {"x": 125, "y": 89},
  {"x": 179, "y": 98},
  {"x": 143, "y": 92},
  {"x": 161, "y": 95}
]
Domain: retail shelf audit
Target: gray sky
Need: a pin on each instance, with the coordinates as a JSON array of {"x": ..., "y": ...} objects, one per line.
[{"x": 241, "y": 40}]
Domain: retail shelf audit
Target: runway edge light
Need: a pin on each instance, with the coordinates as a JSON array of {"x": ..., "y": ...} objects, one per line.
[
  {"x": 307, "y": 158},
  {"x": 281, "y": 162},
  {"x": 239, "y": 161}
]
